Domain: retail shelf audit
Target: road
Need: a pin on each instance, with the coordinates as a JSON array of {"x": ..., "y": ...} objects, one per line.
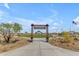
[{"x": 40, "y": 48}]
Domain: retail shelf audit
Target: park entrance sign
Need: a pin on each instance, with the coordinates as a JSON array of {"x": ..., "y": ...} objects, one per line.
[{"x": 37, "y": 26}]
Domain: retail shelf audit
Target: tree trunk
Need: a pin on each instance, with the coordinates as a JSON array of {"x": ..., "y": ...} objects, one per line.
[{"x": 8, "y": 39}]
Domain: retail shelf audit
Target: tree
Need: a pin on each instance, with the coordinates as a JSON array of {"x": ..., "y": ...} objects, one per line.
[
  {"x": 8, "y": 30},
  {"x": 17, "y": 27}
]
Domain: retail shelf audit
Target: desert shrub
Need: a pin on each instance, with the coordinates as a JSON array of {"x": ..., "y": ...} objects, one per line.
[{"x": 67, "y": 37}]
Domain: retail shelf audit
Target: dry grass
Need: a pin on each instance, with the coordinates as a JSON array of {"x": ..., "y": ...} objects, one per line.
[
  {"x": 73, "y": 45},
  {"x": 6, "y": 47}
]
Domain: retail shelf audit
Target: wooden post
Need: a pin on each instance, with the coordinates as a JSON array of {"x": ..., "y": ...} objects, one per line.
[
  {"x": 32, "y": 32},
  {"x": 47, "y": 35}
]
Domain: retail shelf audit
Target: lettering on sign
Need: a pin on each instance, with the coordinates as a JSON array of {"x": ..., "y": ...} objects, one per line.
[{"x": 39, "y": 27}]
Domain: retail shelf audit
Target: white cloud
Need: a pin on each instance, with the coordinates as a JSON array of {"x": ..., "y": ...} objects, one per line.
[
  {"x": 55, "y": 24},
  {"x": 1, "y": 13},
  {"x": 26, "y": 23},
  {"x": 54, "y": 13},
  {"x": 6, "y": 5},
  {"x": 53, "y": 28}
]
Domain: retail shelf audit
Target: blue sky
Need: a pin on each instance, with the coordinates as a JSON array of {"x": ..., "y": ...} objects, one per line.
[{"x": 59, "y": 16}]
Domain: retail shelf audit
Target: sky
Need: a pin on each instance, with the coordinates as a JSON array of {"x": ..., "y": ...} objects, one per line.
[{"x": 59, "y": 16}]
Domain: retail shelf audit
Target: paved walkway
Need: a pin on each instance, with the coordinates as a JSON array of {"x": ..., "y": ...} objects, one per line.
[{"x": 40, "y": 48}]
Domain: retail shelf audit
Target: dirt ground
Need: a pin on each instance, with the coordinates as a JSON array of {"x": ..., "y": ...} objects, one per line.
[
  {"x": 9, "y": 46},
  {"x": 74, "y": 45}
]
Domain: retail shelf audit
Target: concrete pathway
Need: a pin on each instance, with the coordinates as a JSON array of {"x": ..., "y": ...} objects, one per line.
[{"x": 40, "y": 48}]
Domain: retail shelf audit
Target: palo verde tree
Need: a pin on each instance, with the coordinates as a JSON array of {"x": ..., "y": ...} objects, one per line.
[{"x": 8, "y": 30}]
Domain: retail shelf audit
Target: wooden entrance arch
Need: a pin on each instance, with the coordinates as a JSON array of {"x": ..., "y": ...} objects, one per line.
[{"x": 36, "y": 26}]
